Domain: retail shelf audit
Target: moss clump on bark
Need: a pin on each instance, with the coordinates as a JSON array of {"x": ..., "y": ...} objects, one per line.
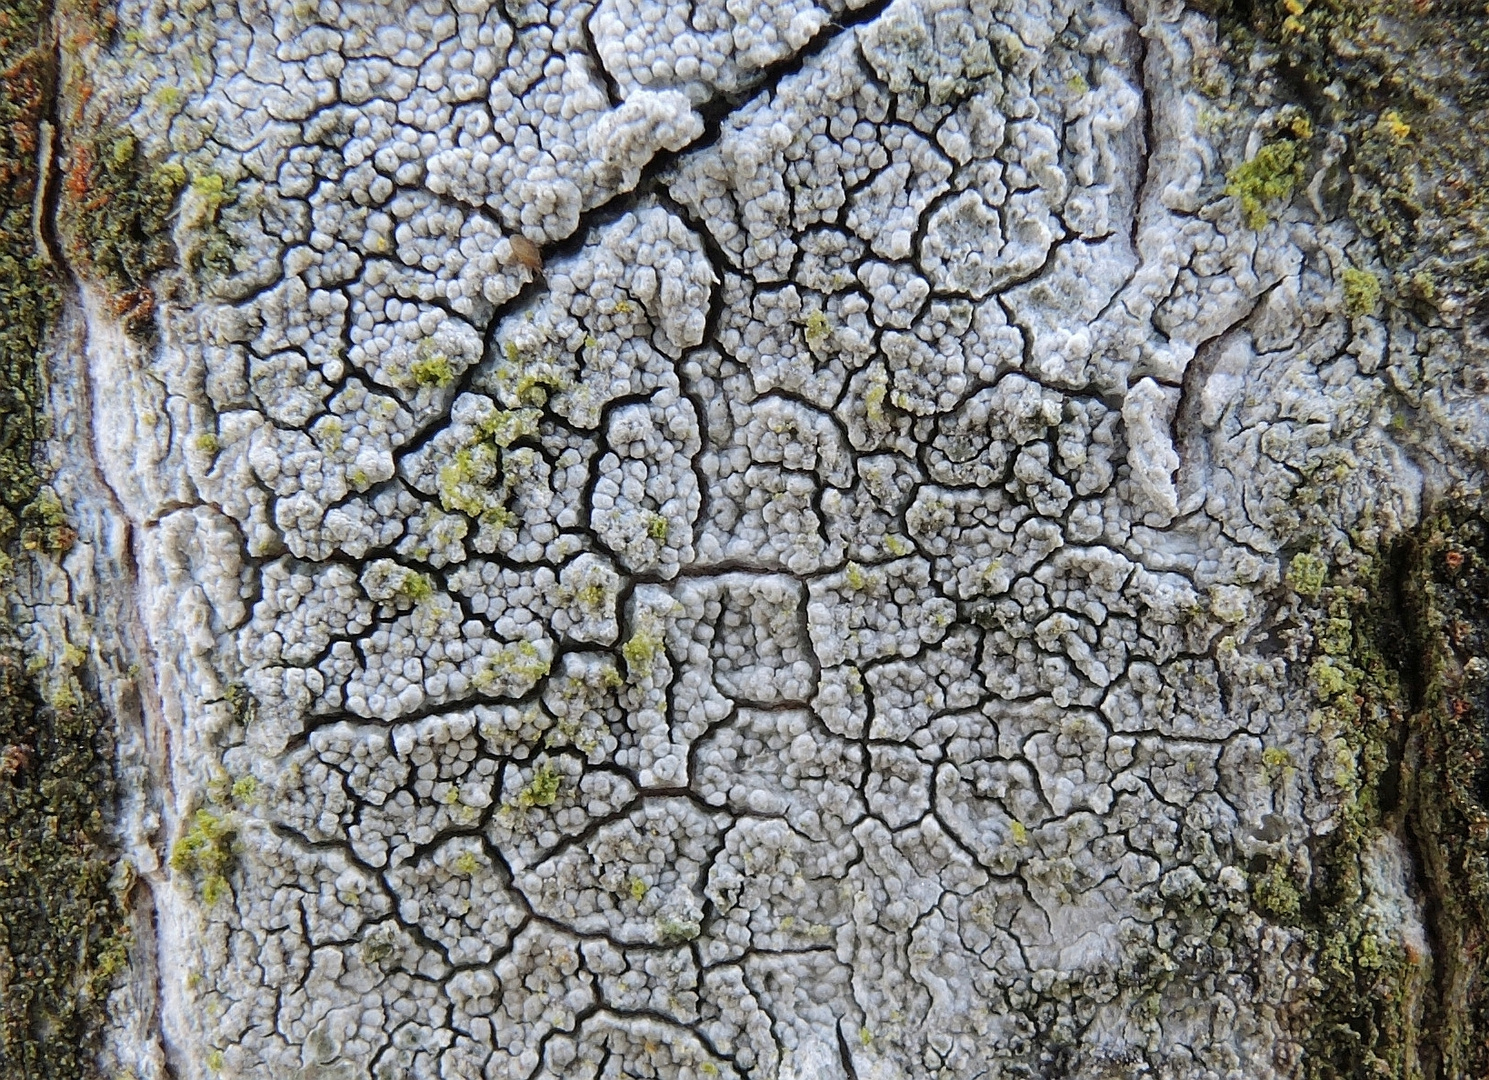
[
  {"x": 1400, "y": 677},
  {"x": 1270, "y": 177},
  {"x": 30, "y": 293}
]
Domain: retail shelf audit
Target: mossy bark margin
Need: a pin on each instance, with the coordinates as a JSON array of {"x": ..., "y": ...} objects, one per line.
[
  {"x": 1368, "y": 1012},
  {"x": 1398, "y": 660},
  {"x": 1447, "y": 763},
  {"x": 1402, "y": 88},
  {"x": 62, "y": 936},
  {"x": 30, "y": 287}
]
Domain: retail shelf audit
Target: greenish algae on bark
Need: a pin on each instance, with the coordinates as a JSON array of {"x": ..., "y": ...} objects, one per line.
[
  {"x": 1398, "y": 669},
  {"x": 1448, "y": 793},
  {"x": 1404, "y": 84},
  {"x": 1393, "y": 97},
  {"x": 62, "y": 937}
]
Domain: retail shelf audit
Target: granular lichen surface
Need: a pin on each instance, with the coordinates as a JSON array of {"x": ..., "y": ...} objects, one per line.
[{"x": 777, "y": 540}]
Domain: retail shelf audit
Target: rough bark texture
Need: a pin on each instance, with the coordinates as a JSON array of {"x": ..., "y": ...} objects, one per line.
[{"x": 598, "y": 539}]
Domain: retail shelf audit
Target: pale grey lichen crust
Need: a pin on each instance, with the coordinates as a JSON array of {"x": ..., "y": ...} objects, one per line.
[{"x": 810, "y": 627}]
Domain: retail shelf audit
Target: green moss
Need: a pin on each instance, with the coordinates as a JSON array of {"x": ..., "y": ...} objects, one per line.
[
  {"x": 1405, "y": 87},
  {"x": 1447, "y": 794},
  {"x": 1364, "y": 1015},
  {"x": 1361, "y": 292},
  {"x": 63, "y": 933},
  {"x": 1267, "y": 179}
]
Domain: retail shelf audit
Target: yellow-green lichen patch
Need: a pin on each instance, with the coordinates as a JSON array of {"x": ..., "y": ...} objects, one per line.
[
  {"x": 206, "y": 852},
  {"x": 542, "y": 789},
  {"x": 672, "y": 930},
  {"x": 416, "y": 587},
  {"x": 1276, "y": 894},
  {"x": 514, "y": 669},
  {"x": 528, "y": 372},
  {"x": 641, "y": 651},
  {"x": 1361, "y": 291},
  {"x": 205, "y": 245},
  {"x": 481, "y": 479},
  {"x": 1267, "y": 180},
  {"x": 44, "y": 525},
  {"x": 818, "y": 329},
  {"x": 433, "y": 369},
  {"x": 1306, "y": 574}
]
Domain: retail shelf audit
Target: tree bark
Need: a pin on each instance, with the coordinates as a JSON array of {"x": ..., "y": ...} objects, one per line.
[{"x": 920, "y": 538}]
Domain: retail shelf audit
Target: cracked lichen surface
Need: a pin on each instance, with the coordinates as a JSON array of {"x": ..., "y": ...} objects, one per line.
[{"x": 731, "y": 540}]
